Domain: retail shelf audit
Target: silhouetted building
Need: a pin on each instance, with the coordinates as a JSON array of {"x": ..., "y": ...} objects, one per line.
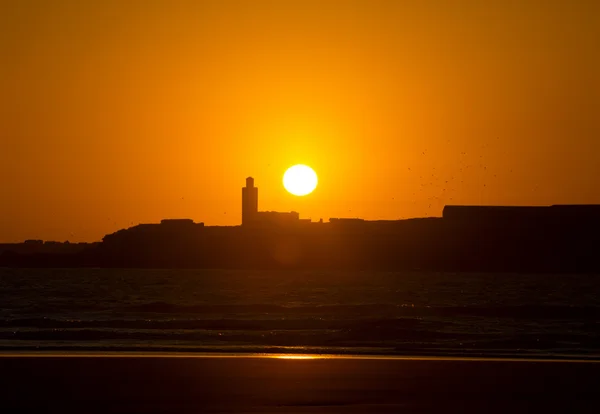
[
  {"x": 249, "y": 202},
  {"x": 251, "y": 217},
  {"x": 177, "y": 222},
  {"x": 276, "y": 218},
  {"x": 345, "y": 220}
]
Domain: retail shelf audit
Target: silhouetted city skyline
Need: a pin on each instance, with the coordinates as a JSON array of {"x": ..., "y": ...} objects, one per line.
[{"x": 485, "y": 238}]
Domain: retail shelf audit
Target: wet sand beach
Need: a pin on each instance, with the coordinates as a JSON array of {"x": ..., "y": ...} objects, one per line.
[{"x": 171, "y": 383}]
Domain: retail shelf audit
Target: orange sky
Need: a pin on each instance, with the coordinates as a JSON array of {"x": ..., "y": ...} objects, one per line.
[{"x": 114, "y": 113}]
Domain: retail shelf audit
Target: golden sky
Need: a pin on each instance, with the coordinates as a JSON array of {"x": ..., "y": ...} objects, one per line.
[{"x": 114, "y": 113}]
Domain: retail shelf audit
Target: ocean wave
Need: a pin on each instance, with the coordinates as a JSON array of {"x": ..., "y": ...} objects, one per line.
[
  {"x": 378, "y": 337},
  {"x": 210, "y": 324},
  {"x": 582, "y": 313}
]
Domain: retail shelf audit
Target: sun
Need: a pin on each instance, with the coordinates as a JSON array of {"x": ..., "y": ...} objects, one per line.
[{"x": 300, "y": 180}]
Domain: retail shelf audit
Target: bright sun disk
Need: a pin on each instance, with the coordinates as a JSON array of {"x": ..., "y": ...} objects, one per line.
[{"x": 300, "y": 180}]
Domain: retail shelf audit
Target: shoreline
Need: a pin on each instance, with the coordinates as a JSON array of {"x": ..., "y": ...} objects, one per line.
[{"x": 291, "y": 356}]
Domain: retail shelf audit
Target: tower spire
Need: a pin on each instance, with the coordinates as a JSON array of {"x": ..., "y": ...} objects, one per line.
[{"x": 249, "y": 202}]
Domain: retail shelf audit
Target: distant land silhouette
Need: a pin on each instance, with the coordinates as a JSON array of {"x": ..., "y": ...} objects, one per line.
[{"x": 558, "y": 238}]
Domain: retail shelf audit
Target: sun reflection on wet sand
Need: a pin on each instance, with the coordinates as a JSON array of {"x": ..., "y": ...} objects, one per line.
[{"x": 298, "y": 356}]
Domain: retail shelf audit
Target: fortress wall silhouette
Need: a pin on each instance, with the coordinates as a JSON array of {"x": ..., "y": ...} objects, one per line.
[{"x": 492, "y": 214}]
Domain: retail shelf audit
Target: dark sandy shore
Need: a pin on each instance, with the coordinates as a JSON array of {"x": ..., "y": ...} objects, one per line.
[{"x": 187, "y": 384}]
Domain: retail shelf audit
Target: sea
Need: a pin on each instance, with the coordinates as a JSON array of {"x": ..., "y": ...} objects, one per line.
[{"x": 316, "y": 312}]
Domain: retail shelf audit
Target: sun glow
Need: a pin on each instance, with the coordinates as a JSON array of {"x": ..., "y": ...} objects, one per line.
[{"x": 300, "y": 180}]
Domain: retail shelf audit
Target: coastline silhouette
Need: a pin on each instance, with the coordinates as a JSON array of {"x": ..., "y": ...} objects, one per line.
[{"x": 557, "y": 238}]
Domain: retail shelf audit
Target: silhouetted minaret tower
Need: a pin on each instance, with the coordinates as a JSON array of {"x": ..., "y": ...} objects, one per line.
[{"x": 249, "y": 201}]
